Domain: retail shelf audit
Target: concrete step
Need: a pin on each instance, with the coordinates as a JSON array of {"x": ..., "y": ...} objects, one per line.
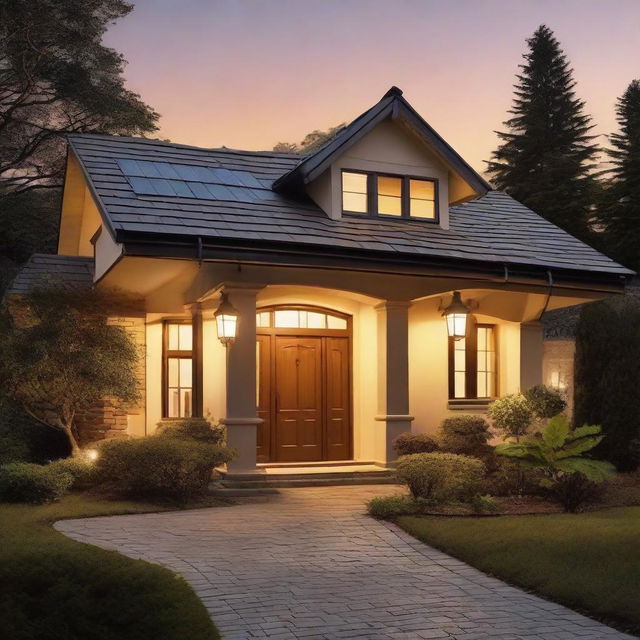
[{"x": 268, "y": 483}]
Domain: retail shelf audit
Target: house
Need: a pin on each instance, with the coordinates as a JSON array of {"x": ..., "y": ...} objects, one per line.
[{"x": 373, "y": 287}]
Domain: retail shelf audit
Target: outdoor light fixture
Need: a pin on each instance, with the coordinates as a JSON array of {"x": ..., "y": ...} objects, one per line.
[
  {"x": 91, "y": 454},
  {"x": 456, "y": 314},
  {"x": 226, "y": 316}
]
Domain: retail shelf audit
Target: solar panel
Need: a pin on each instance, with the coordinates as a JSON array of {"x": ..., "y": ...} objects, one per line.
[{"x": 169, "y": 179}]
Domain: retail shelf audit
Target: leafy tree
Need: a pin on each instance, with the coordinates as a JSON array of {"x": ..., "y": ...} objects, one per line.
[
  {"x": 56, "y": 76},
  {"x": 59, "y": 356},
  {"x": 311, "y": 142},
  {"x": 512, "y": 415},
  {"x": 546, "y": 155},
  {"x": 544, "y": 401},
  {"x": 619, "y": 213},
  {"x": 607, "y": 376},
  {"x": 558, "y": 452}
]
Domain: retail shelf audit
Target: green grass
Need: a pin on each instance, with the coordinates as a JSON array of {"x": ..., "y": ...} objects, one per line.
[
  {"x": 590, "y": 561},
  {"x": 52, "y": 588}
]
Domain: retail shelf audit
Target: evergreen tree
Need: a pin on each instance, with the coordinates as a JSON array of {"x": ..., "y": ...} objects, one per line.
[
  {"x": 546, "y": 156},
  {"x": 620, "y": 209}
]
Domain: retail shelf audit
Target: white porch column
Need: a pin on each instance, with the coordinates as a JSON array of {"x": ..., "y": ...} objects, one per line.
[
  {"x": 531, "y": 354},
  {"x": 393, "y": 377},
  {"x": 241, "y": 419}
]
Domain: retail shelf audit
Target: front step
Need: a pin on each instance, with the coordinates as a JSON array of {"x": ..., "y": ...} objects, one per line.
[{"x": 265, "y": 483}]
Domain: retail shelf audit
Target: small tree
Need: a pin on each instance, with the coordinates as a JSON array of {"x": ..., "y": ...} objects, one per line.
[
  {"x": 59, "y": 356},
  {"x": 558, "y": 453},
  {"x": 544, "y": 401},
  {"x": 512, "y": 415}
]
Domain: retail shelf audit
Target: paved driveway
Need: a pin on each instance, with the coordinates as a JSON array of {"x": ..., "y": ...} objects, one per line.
[{"x": 309, "y": 564}]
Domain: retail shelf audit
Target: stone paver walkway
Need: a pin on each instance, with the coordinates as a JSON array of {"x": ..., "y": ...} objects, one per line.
[{"x": 309, "y": 565}]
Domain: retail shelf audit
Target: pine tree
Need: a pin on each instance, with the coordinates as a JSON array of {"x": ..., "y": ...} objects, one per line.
[
  {"x": 620, "y": 210},
  {"x": 546, "y": 156}
]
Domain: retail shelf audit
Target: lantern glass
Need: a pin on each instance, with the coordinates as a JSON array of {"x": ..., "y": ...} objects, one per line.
[
  {"x": 226, "y": 321},
  {"x": 457, "y": 325}
]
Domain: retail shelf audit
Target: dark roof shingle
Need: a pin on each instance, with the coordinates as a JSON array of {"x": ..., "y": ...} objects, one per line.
[
  {"x": 41, "y": 270},
  {"x": 494, "y": 228}
]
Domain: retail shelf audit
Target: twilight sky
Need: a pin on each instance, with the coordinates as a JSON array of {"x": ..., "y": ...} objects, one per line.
[{"x": 249, "y": 73}]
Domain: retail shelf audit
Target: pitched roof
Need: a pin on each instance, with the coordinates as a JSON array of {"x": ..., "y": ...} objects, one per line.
[
  {"x": 201, "y": 200},
  {"x": 73, "y": 272},
  {"x": 392, "y": 105}
]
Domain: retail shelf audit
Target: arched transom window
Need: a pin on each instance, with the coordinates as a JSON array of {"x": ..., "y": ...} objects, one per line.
[{"x": 299, "y": 318}]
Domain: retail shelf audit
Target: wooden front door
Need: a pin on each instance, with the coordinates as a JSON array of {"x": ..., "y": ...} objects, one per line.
[
  {"x": 304, "y": 396},
  {"x": 298, "y": 382}
]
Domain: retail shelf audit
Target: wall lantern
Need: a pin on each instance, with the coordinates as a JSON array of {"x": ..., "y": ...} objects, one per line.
[
  {"x": 226, "y": 316},
  {"x": 456, "y": 314}
]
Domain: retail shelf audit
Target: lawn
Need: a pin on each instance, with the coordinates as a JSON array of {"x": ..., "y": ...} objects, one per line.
[
  {"x": 589, "y": 561},
  {"x": 52, "y": 588}
]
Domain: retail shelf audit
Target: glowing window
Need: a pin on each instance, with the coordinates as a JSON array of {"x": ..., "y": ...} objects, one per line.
[
  {"x": 389, "y": 196},
  {"x": 178, "y": 370},
  {"x": 422, "y": 199},
  {"x": 301, "y": 319},
  {"x": 354, "y": 192},
  {"x": 472, "y": 364}
]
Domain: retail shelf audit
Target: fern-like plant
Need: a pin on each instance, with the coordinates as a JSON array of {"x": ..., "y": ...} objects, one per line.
[{"x": 558, "y": 452}]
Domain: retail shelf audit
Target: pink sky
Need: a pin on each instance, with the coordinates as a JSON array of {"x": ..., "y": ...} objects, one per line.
[{"x": 249, "y": 73}]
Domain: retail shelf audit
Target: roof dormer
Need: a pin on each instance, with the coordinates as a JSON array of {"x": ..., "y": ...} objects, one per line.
[{"x": 387, "y": 163}]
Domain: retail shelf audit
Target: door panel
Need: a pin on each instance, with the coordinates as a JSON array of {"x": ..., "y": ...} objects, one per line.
[
  {"x": 298, "y": 384},
  {"x": 337, "y": 399},
  {"x": 263, "y": 394}
]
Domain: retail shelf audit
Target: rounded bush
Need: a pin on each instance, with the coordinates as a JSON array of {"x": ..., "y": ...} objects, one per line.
[
  {"x": 159, "y": 467},
  {"x": 80, "y": 469},
  {"x": 192, "y": 428},
  {"x": 408, "y": 443},
  {"x": 441, "y": 477},
  {"x": 25, "y": 482},
  {"x": 386, "y": 507},
  {"x": 465, "y": 434},
  {"x": 544, "y": 401}
]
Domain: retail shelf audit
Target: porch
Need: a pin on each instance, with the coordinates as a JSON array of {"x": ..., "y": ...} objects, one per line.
[{"x": 331, "y": 367}]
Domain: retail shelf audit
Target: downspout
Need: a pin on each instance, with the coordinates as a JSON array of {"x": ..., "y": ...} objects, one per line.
[{"x": 546, "y": 302}]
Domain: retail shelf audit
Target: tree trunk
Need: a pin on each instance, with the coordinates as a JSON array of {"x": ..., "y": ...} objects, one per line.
[{"x": 73, "y": 443}]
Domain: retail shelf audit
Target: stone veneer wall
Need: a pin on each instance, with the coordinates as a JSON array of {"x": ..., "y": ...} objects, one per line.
[
  {"x": 108, "y": 420},
  {"x": 558, "y": 367}
]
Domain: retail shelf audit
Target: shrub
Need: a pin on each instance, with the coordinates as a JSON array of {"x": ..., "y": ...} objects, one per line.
[
  {"x": 508, "y": 478},
  {"x": 465, "y": 434},
  {"x": 386, "y": 507},
  {"x": 573, "y": 491},
  {"x": 558, "y": 453},
  {"x": 408, "y": 443},
  {"x": 159, "y": 466},
  {"x": 24, "y": 482},
  {"x": 441, "y": 477},
  {"x": 607, "y": 370},
  {"x": 544, "y": 401},
  {"x": 511, "y": 414},
  {"x": 484, "y": 504},
  {"x": 13, "y": 448},
  {"x": 82, "y": 471},
  {"x": 192, "y": 428}
]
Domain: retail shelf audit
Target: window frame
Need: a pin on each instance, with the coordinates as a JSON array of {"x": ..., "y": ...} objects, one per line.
[
  {"x": 405, "y": 196},
  {"x": 180, "y": 354},
  {"x": 471, "y": 364}
]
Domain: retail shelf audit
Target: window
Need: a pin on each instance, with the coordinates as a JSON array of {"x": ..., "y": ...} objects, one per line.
[
  {"x": 354, "y": 192},
  {"x": 178, "y": 370},
  {"x": 376, "y": 194},
  {"x": 472, "y": 364},
  {"x": 300, "y": 319}
]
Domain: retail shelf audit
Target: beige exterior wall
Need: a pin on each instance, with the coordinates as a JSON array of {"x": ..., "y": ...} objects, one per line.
[{"x": 558, "y": 367}]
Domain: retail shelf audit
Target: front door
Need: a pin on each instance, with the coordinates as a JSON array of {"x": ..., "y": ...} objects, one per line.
[
  {"x": 298, "y": 381},
  {"x": 304, "y": 391}
]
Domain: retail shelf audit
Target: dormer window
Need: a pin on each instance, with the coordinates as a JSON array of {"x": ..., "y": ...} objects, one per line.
[{"x": 377, "y": 194}]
